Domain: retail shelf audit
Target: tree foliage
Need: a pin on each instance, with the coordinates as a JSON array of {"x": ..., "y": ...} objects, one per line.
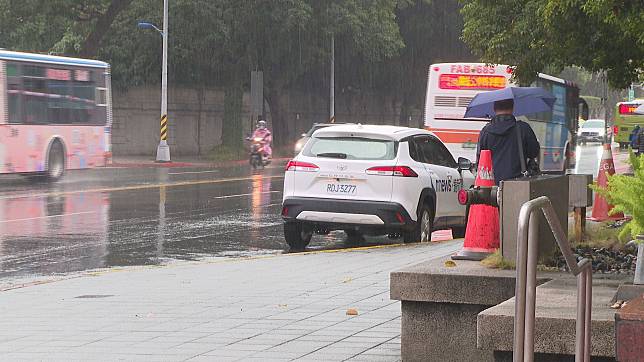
[
  {"x": 59, "y": 26},
  {"x": 627, "y": 194},
  {"x": 382, "y": 46},
  {"x": 598, "y": 35}
]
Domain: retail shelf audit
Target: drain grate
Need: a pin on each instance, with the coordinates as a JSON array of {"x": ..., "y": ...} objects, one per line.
[{"x": 94, "y": 296}]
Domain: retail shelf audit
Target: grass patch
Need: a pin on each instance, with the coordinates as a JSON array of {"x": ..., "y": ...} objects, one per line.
[
  {"x": 223, "y": 153},
  {"x": 496, "y": 261},
  {"x": 598, "y": 235}
]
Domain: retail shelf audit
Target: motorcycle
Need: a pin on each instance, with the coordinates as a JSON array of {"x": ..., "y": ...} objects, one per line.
[{"x": 257, "y": 157}]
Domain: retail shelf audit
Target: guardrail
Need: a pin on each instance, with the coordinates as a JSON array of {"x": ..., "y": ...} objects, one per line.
[{"x": 526, "y": 281}]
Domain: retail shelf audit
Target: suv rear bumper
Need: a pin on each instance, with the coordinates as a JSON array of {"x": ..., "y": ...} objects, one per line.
[
  {"x": 336, "y": 214},
  {"x": 590, "y": 138}
]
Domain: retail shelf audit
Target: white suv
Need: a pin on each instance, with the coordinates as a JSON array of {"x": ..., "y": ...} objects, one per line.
[{"x": 376, "y": 180}]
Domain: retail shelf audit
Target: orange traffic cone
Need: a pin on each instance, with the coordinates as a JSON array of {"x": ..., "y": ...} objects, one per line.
[
  {"x": 601, "y": 207},
  {"x": 482, "y": 234}
]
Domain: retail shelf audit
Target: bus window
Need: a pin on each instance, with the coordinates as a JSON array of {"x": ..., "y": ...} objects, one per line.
[
  {"x": 14, "y": 92},
  {"x": 34, "y": 88},
  {"x": 59, "y": 111}
]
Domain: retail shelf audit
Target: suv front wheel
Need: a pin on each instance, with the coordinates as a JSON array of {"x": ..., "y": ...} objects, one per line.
[
  {"x": 422, "y": 231},
  {"x": 296, "y": 236}
]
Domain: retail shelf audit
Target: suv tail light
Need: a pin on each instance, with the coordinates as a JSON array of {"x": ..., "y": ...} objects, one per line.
[
  {"x": 401, "y": 171},
  {"x": 293, "y": 165}
]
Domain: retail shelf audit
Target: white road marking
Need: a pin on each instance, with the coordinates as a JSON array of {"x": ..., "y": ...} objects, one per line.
[{"x": 49, "y": 217}]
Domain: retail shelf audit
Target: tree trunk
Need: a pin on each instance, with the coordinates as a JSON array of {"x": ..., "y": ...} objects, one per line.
[
  {"x": 200, "y": 100},
  {"x": 406, "y": 109},
  {"x": 281, "y": 133},
  {"x": 92, "y": 43},
  {"x": 231, "y": 132}
]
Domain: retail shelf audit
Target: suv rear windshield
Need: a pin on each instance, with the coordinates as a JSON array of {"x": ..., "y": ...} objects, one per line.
[
  {"x": 351, "y": 148},
  {"x": 593, "y": 124}
]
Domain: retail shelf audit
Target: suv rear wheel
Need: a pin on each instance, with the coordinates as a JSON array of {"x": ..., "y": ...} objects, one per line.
[
  {"x": 296, "y": 236},
  {"x": 422, "y": 231}
]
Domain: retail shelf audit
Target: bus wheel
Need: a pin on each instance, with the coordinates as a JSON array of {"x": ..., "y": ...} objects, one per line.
[{"x": 56, "y": 161}]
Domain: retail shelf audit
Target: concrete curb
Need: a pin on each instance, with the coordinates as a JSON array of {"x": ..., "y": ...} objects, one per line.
[{"x": 153, "y": 164}]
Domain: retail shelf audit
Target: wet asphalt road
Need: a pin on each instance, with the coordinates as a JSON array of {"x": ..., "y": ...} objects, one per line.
[{"x": 146, "y": 216}]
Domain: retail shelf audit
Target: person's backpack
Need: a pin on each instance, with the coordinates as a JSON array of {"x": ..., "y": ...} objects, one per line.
[{"x": 531, "y": 168}]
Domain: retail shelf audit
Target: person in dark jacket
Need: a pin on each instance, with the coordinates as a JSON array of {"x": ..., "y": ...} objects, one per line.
[
  {"x": 634, "y": 137},
  {"x": 499, "y": 136}
]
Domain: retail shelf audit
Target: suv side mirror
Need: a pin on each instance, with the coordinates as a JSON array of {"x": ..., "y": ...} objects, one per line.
[{"x": 464, "y": 164}]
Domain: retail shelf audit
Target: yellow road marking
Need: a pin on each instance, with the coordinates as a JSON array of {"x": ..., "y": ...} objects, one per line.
[{"x": 140, "y": 187}]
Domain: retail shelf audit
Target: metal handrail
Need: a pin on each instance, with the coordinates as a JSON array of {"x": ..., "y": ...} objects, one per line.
[{"x": 526, "y": 282}]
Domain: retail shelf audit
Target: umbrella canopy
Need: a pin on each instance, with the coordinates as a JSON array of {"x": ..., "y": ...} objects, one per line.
[
  {"x": 527, "y": 100},
  {"x": 640, "y": 109}
]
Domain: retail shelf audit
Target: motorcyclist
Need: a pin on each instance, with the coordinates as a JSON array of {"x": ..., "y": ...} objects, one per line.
[{"x": 264, "y": 133}]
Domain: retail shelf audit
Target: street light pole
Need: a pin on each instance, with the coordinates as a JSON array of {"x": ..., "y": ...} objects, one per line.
[
  {"x": 163, "y": 151},
  {"x": 332, "y": 83}
]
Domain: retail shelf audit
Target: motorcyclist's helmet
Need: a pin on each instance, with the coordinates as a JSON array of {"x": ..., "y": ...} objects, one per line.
[{"x": 261, "y": 124}]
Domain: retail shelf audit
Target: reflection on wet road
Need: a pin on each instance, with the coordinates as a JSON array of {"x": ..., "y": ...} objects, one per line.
[{"x": 103, "y": 218}]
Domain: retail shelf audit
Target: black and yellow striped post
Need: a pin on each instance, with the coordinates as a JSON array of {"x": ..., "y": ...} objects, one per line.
[
  {"x": 163, "y": 151},
  {"x": 164, "y": 127}
]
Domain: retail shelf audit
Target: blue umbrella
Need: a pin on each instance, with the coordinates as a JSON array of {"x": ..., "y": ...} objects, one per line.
[{"x": 527, "y": 100}]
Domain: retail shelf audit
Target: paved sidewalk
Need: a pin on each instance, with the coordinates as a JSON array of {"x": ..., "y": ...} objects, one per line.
[{"x": 287, "y": 307}]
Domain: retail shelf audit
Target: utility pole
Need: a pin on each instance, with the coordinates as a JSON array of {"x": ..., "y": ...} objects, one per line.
[
  {"x": 332, "y": 83},
  {"x": 163, "y": 151},
  {"x": 607, "y": 123}
]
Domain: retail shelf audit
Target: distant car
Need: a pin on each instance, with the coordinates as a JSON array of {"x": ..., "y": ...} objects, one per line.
[
  {"x": 306, "y": 136},
  {"x": 593, "y": 130},
  {"x": 373, "y": 180}
]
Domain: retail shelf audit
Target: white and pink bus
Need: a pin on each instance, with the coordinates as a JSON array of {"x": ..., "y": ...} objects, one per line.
[
  {"x": 451, "y": 87},
  {"x": 55, "y": 114}
]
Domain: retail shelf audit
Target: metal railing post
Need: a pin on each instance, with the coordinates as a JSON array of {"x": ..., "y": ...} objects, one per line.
[
  {"x": 531, "y": 287},
  {"x": 526, "y": 282},
  {"x": 520, "y": 284},
  {"x": 589, "y": 310},
  {"x": 580, "y": 349}
]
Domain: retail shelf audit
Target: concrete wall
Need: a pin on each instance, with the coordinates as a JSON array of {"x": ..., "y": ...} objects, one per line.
[
  {"x": 195, "y": 126},
  {"x": 196, "y": 119}
]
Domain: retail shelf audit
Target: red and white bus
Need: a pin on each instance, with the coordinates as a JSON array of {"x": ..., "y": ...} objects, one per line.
[
  {"x": 55, "y": 114},
  {"x": 452, "y": 86},
  {"x": 450, "y": 89}
]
